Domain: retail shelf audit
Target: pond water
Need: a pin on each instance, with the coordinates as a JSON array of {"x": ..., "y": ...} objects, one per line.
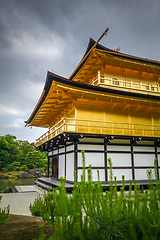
[{"x": 10, "y": 183}]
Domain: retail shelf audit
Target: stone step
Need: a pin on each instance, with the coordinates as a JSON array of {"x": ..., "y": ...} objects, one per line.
[
  {"x": 18, "y": 189},
  {"x": 48, "y": 182},
  {"x": 43, "y": 185}
]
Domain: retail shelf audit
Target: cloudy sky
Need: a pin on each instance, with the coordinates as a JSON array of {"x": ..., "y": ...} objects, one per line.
[{"x": 37, "y": 36}]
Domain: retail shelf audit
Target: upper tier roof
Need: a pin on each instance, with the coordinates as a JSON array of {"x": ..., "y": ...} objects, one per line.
[
  {"x": 100, "y": 55},
  {"x": 59, "y": 93}
]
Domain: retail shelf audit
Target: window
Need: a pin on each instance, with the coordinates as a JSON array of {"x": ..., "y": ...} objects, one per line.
[
  {"x": 150, "y": 88},
  {"x": 115, "y": 81}
]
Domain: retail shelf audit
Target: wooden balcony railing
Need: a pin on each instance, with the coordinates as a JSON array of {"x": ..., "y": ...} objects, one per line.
[
  {"x": 125, "y": 84},
  {"x": 99, "y": 127}
]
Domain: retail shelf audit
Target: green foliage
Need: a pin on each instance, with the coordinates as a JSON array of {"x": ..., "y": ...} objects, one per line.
[
  {"x": 3, "y": 214},
  {"x": 16, "y": 155},
  {"x": 14, "y": 166},
  {"x": 24, "y": 168},
  {"x": 36, "y": 159},
  {"x": 8, "y": 150},
  {"x": 4, "y": 170},
  {"x": 5, "y": 158},
  {"x": 90, "y": 213}
]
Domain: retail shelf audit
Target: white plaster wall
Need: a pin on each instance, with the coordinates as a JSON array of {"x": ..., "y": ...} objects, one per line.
[
  {"x": 143, "y": 149},
  {"x": 79, "y": 173},
  {"x": 158, "y": 149},
  {"x": 118, "y": 148},
  {"x": 144, "y": 160},
  {"x": 95, "y": 159},
  {"x": 120, "y": 159},
  {"x": 55, "y": 151},
  {"x": 140, "y": 174},
  {"x": 90, "y": 147},
  {"x": 159, "y": 160},
  {"x": 94, "y": 175},
  {"x": 119, "y": 172},
  {"x": 50, "y": 154},
  {"x": 62, "y": 150},
  {"x": 70, "y": 148},
  {"x": 61, "y": 166},
  {"x": 70, "y": 166},
  {"x": 101, "y": 174}
]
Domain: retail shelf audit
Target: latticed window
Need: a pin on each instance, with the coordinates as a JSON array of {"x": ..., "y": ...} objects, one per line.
[{"x": 115, "y": 81}]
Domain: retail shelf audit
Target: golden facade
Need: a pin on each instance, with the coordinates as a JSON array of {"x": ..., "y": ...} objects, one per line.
[{"x": 109, "y": 93}]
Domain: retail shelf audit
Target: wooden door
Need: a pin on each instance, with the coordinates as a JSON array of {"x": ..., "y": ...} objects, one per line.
[{"x": 55, "y": 167}]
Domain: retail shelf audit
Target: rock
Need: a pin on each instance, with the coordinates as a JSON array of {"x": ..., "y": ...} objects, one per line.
[
  {"x": 37, "y": 174},
  {"x": 8, "y": 190},
  {"x": 44, "y": 175},
  {"x": 34, "y": 173},
  {"x": 24, "y": 175},
  {"x": 31, "y": 172},
  {"x": 30, "y": 176},
  {"x": 5, "y": 176}
]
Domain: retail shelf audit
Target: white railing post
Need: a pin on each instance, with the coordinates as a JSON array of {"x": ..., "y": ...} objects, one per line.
[
  {"x": 121, "y": 82},
  {"x": 99, "y": 77},
  {"x": 65, "y": 127}
]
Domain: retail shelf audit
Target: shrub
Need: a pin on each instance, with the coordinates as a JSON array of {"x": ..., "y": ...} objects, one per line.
[
  {"x": 90, "y": 213},
  {"x": 24, "y": 168},
  {"x": 4, "y": 170},
  {"x": 42, "y": 169},
  {"x": 10, "y": 167},
  {"x": 30, "y": 165},
  {"x": 3, "y": 214},
  {"x": 17, "y": 175}
]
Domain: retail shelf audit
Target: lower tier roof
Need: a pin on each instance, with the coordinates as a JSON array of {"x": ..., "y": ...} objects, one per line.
[{"x": 60, "y": 94}]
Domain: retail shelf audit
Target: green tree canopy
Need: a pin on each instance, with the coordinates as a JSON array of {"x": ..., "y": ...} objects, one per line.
[
  {"x": 14, "y": 154},
  {"x": 32, "y": 158}
]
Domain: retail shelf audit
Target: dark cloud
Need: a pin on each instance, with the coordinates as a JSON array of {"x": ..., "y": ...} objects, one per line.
[{"x": 37, "y": 36}]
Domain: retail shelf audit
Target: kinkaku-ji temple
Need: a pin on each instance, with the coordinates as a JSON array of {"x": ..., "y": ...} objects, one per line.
[{"x": 109, "y": 107}]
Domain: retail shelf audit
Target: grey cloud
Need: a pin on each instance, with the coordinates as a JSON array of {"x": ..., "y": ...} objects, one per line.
[{"x": 37, "y": 36}]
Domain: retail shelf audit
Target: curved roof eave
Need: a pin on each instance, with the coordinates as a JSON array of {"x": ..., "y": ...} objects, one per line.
[
  {"x": 83, "y": 60},
  {"x": 53, "y": 77},
  {"x": 111, "y": 52}
]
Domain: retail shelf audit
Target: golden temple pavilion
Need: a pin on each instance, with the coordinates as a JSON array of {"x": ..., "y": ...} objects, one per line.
[{"x": 109, "y": 107}]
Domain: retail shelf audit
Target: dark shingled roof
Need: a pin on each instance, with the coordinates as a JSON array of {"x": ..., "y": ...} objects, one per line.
[
  {"x": 53, "y": 77},
  {"x": 111, "y": 52}
]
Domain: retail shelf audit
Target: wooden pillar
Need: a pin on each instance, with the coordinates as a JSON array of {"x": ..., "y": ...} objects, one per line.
[
  {"x": 65, "y": 160},
  {"x": 75, "y": 156},
  {"x": 52, "y": 166},
  {"x": 58, "y": 164},
  {"x": 48, "y": 163},
  {"x": 105, "y": 160},
  {"x": 132, "y": 161},
  {"x": 156, "y": 156}
]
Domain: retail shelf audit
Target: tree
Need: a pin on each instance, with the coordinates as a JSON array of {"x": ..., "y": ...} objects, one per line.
[
  {"x": 32, "y": 158},
  {"x": 14, "y": 154},
  {"x": 5, "y": 158},
  {"x": 42, "y": 163},
  {"x": 24, "y": 148},
  {"x": 9, "y": 149}
]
